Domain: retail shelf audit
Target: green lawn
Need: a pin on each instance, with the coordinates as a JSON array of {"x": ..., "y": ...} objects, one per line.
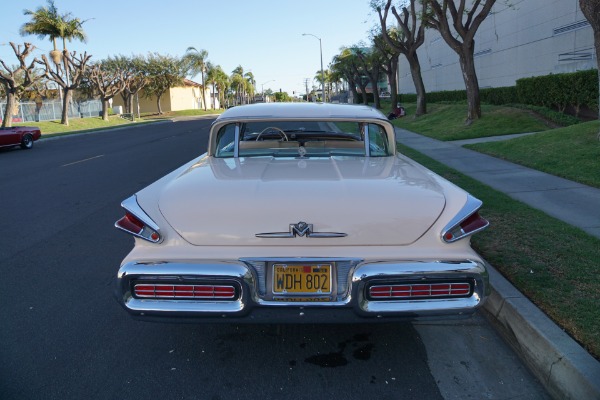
[
  {"x": 572, "y": 152},
  {"x": 447, "y": 121},
  {"x": 551, "y": 262},
  {"x": 77, "y": 125}
]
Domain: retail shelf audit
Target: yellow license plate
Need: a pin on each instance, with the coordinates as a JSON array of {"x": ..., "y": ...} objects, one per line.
[{"x": 302, "y": 279}]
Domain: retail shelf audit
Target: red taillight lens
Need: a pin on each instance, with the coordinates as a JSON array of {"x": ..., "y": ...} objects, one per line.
[
  {"x": 176, "y": 291},
  {"x": 131, "y": 224},
  {"x": 405, "y": 291},
  {"x": 473, "y": 223}
]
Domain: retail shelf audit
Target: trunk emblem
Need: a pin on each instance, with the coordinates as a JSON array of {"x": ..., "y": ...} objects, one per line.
[{"x": 300, "y": 229}]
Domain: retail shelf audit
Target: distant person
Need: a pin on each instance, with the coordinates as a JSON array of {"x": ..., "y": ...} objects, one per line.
[{"x": 397, "y": 112}]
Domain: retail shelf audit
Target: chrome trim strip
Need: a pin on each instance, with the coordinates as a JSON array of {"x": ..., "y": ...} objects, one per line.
[
  {"x": 367, "y": 140},
  {"x": 236, "y": 144},
  {"x": 300, "y": 229},
  {"x": 472, "y": 205}
]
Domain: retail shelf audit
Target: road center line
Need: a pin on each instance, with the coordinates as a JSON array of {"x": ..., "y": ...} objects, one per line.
[{"x": 80, "y": 161}]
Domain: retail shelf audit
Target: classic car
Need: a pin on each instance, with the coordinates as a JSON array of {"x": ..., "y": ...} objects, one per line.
[
  {"x": 301, "y": 212},
  {"x": 23, "y": 136}
]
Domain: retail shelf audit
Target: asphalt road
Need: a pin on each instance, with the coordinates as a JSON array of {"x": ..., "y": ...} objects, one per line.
[{"x": 63, "y": 336}]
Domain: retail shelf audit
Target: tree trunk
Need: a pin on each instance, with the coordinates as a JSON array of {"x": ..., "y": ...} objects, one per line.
[
  {"x": 393, "y": 79},
  {"x": 203, "y": 90},
  {"x": 597, "y": 43},
  {"x": 417, "y": 77},
  {"x": 11, "y": 102},
  {"x": 64, "y": 119},
  {"x": 160, "y": 112},
  {"x": 467, "y": 65},
  {"x": 105, "y": 109}
]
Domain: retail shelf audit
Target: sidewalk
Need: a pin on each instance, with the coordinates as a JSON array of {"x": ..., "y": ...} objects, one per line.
[
  {"x": 568, "y": 201},
  {"x": 564, "y": 368}
]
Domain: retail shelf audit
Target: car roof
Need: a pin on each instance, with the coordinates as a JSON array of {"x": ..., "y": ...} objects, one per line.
[{"x": 301, "y": 111}]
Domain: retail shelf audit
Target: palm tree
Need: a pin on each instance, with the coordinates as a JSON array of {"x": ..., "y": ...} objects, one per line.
[
  {"x": 44, "y": 23},
  {"x": 47, "y": 22},
  {"x": 196, "y": 61}
]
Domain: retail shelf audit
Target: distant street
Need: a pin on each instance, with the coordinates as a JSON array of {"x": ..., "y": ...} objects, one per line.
[{"x": 63, "y": 335}]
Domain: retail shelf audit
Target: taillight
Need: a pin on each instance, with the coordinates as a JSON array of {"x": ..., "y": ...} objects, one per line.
[
  {"x": 466, "y": 222},
  {"x": 176, "y": 291},
  {"x": 404, "y": 291},
  {"x": 137, "y": 222}
]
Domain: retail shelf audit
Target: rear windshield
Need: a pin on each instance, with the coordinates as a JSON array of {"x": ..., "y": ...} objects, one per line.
[{"x": 304, "y": 139}]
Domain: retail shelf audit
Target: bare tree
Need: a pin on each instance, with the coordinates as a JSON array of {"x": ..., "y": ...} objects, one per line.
[
  {"x": 458, "y": 26},
  {"x": 411, "y": 37},
  {"x": 17, "y": 80},
  {"x": 591, "y": 10},
  {"x": 107, "y": 82},
  {"x": 68, "y": 80}
]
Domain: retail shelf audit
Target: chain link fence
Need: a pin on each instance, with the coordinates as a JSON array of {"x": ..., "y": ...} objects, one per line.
[{"x": 52, "y": 110}]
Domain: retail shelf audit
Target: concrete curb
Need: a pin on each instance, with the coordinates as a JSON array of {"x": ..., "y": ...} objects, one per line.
[{"x": 565, "y": 369}]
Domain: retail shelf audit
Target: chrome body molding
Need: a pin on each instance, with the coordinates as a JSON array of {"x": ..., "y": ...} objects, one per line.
[
  {"x": 255, "y": 303},
  {"x": 131, "y": 204},
  {"x": 300, "y": 229},
  {"x": 473, "y": 204}
]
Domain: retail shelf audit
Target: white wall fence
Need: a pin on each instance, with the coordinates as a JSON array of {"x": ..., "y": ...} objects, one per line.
[{"x": 52, "y": 110}]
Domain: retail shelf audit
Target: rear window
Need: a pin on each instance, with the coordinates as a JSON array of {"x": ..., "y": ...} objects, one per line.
[{"x": 304, "y": 139}]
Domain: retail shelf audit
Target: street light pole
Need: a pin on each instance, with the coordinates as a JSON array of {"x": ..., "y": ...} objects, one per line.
[
  {"x": 262, "y": 85},
  {"x": 322, "y": 70}
]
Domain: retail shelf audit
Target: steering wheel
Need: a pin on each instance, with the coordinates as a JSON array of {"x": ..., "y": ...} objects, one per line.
[{"x": 284, "y": 137}]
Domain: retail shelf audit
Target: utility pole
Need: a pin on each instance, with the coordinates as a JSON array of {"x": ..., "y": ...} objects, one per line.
[{"x": 306, "y": 84}]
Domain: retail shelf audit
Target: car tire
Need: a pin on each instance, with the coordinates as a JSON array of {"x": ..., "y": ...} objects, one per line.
[{"x": 27, "y": 142}]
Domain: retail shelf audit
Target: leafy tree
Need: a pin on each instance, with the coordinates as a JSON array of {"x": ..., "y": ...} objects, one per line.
[
  {"x": 410, "y": 37},
  {"x": 222, "y": 82},
  {"x": 591, "y": 10},
  {"x": 135, "y": 76},
  {"x": 344, "y": 65},
  {"x": 164, "y": 72},
  {"x": 16, "y": 80},
  {"x": 371, "y": 62},
  {"x": 106, "y": 80},
  {"x": 196, "y": 62},
  {"x": 458, "y": 26},
  {"x": 389, "y": 64},
  {"x": 282, "y": 97}
]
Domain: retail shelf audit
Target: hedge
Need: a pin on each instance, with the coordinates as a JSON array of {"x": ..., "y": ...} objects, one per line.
[{"x": 560, "y": 91}]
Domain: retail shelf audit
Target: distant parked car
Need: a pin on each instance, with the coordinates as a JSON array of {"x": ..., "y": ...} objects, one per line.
[
  {"x": 23, "y": 136},
  {"x": 301, "y": 212},
  {"x": 385, "y": 95}
]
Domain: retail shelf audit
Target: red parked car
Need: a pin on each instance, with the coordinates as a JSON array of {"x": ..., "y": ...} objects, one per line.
[{"x": 23, "y": 136}]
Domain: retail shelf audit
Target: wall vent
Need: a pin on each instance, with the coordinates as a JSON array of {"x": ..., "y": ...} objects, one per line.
[
  {"x": 571, "y": 27},
  {"x": 579, "y": 55},
  {"x": 482, "y": 53}
]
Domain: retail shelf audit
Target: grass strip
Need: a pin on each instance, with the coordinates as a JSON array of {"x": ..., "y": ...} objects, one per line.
[
  {"x": 447, "y": 121},
  {"x": 552, "y": 263},
  {"x": 572, "y": 152}
]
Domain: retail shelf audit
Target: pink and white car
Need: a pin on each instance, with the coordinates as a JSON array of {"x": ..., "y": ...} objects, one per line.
[
  {"x": 301, "y": 212},
  {"x": 23, "y": 136}
]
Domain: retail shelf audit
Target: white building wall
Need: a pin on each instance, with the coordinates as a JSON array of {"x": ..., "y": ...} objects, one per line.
[{"x": 527, "y": 38}]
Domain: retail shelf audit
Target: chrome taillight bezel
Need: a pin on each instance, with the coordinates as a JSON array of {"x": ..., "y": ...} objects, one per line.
[
  {"x": 453, "y": 231},
  {"x": 149, "y": 232}
]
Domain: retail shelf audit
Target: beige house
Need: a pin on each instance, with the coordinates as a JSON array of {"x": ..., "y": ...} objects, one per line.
[{"x": 186, "y": 97}]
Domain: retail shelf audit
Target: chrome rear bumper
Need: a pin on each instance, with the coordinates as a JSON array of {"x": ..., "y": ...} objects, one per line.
[{"x": 253, "y": 303}]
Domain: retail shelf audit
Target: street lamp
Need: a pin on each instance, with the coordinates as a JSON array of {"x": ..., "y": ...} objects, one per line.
[
  {"x": 322, "y": 71},
  {"x": 262, "y": 85}
]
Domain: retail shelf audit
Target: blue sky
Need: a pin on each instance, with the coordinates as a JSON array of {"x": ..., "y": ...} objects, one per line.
[{"x": 264, "y": 36}]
